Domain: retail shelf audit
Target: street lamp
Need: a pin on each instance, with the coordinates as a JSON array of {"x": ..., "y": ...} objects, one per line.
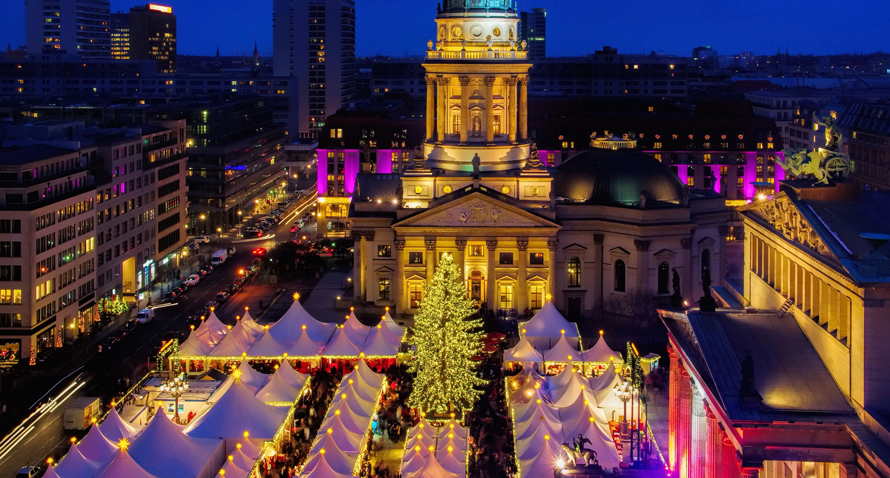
[
  {"x": 624, "y": 392},
  {"x": 175, "y": 387},
  {"x": 203, "y": 224}
]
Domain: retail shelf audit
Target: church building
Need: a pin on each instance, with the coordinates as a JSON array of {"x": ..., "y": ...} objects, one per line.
[{"x": 606, "y": 223}]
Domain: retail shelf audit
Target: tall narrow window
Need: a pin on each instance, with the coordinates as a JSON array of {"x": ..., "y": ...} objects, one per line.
[
  {"x": 497, "y": 125},
  {"x": 536, "y": 297},
  {"x": 664, "y": 273},
  {"x": 415, "y": 294},
  {"x": 506, "y": 296},
  {"x": 705, "y": 262},
  {"x": 455, "y": 124},
  {"x": 384, "y": 288},
  {"x": 574, "y": 270},
  {"x": 620, "y": 275}
]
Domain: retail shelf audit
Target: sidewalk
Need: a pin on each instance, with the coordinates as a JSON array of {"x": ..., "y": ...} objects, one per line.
[{"x": 320, "y": 303}]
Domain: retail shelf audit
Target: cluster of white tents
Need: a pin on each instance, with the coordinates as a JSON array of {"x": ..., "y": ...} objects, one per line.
[
  {"x": 549, "y": 337},
  {"x": 296, "y": 335},
  {"x": 435, "y": 452},
  {"x": 242, "y": 407},
  {"x": 343, "y": 432},
  {"x": 551, "y": 411}
]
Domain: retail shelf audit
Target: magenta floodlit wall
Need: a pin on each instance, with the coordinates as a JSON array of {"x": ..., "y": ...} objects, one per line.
[
  {"x": 717, "y": 178},
  {"x": 350, "y": 170},
  {"x": 779, "y": 174},
  {"x": 750, "y": 174},
  {"x": 384, "y": 161},
  {"x": 322, "y": 172}
]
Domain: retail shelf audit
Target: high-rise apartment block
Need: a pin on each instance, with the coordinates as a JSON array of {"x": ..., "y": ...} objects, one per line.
[
  {"x": 74, "y": 26},
  {"x": 146, "y": 33},
  {"x": 314, "y": 41},
  {"x": 533, "y": 26}
]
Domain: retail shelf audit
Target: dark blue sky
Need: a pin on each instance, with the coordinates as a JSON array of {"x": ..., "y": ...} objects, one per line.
[{"x": 394, "y": 27}]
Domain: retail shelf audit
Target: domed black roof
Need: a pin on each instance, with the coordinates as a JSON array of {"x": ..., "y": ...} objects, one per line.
[
  {"x": 618, "y": 177},
  {"x": 488, "y": 5}
]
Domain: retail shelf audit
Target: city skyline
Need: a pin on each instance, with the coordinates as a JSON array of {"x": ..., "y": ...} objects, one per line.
[{"x": 649, "y": 29}]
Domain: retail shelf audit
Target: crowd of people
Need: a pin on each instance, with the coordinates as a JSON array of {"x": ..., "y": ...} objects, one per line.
[
  {"x": 394, "y": 419},
  {"x": 491, "y": 433}
]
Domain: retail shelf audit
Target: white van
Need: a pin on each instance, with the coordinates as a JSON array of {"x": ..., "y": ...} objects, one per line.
[{"x": 219, "y": 257}]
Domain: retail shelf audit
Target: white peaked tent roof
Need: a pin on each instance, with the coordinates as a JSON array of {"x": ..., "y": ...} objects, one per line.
[
  {"x": 601, "y": 442},
  {"x": 459, "y": 430},
  {"x": 369, "y": 376},
  {"x": 238, "y": 410},
  {"x": 352, "y": 402},
  {"x": 292, "y": 377},
  {"x": 365, "y": 392},
  {"x": 290, "y": 326},
  {"x": 548, "y": 324},
  {"x": 251, "y": 377},
  {"x": 431, "y": 469},
  {"x": 526, "y": 392},
  {"x": 579, "y": 412},
  {"x": 523, "y": 352},
  {"x": 563, "y": 378},
  {"x": 75, "y": 464},
  {"x": 536, "y": 443},
  {"x": 251, "y": 327},
  {"x": 241, "y": 460},
  {"x": 355, "y": 330},
  {"x": 379, "y": 345},
  {"x": 51, "y": 473},
  {"x": 212, "y": 330},
  {"x": 123, "y": 465},
  {"x": 115, "y": 428},
  {"x": 163, "y": 450},
  {"x": 600, "y": 352},
  {"x": 232, "y": 469},
  {"x": 533, "y": 411},
  {"x": 194, "y": 346},
  {"x": 392, "y": 325},
  {"x": 562, "y": 351},
  {"x": 542, "y": 464},
  {"x": 324, "y": 467},
  {"x": 235, "y": 343},
  {"x": 341, "y": 345},
  {"x": 267, "y": 346},
  {"x": 604, "y": 389},
  {"x": 251, "y": 448},
  {"x": 422, "y": 440},
  {"x": 304, "y": 346},
  {"x": 96, "y": 447},
  {"x": 566, "y": 396},
  {"x": 341, "y": 415},
  {"x": 454, "y": 462},
  {"x": 392, "y": 337},
  {"x": 277, "y": 390},
  {"x": 527, "y": 428},
  {"x": 343, "y": 439},
  {"x": 413, "y": 460}
]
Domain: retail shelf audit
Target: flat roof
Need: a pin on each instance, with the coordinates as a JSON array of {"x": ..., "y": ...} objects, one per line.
[{"x": 31, "y": 154}]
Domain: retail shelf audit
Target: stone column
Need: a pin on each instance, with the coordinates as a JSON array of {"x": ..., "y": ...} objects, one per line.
[
  {"x": 713, "y": 445},
  {"x": 491, "y": 285},
  {"x": 699, "y": 436},
  {"x": 464, "y": 108},
  {"x": 684, "y": 444},
  {"x": 460, "y": 257},
  {"x": 673, "y": 408},
  {"x": 687, "y": 286},
  {"x": 522, "y": 275},
  {"x": 368, "y": 255},
  {"x": 598, "y": 242},
  {"x": 430, "y": 259},
  {"x": 358, "y": 264},
  {"x": 551, "y": 269},
  {"x": 489, "y": 109},
  {"x": 442, "y": 107},
  {"x": 642, "y": 264},
  {"x": 523, "y": 108},
  {"x": 511, "y": 98},
  {"x": 399, "y": 277},
  {"x": 430, "y": 107},
  {"x": 729, "y": 461}
]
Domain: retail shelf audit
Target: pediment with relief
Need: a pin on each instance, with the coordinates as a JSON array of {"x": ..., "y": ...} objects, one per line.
[
  {"x": 785, "y": 218},
  {"x": 476, "y": 210}
]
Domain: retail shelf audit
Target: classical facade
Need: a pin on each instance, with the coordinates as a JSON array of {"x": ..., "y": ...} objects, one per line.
[{"x": 608, "y": 222}]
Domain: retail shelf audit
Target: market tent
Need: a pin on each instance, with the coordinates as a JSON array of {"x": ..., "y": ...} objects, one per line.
[
  {"x": 356, "y": 330},
  {"x": 571, "y": 393},
  {"x": 267, "y": 346},
  {"x": 345, "y": 417},
  {"x": 378, "y": 344},
  {"x": 562, "y": 351},
  {"x": 232, "y": 469},
  {"x": 573, "y": 382},
  {"x": 241, "y": 460},
  {"x": 369, "y": 376},
  {"x": 319, "y": 465},
  {"x": 194, "y": 346},
  {"x": 454, "y": 461},
  {"x": 251, "y": 327},
  {"x": 580, "y": 411},
  {"x": 604, "y": 389},
  {"x": 303, "y": 347},
  {"x": 392, "y": 337},
  {"x": 290, "y": 326},
  {"x": 600, "y": 352},
  {"x": 115, "y": 428},
  {"x": 600, "y": 441},
  {"x": 234, "y": 344},
  {"x": 51, "y": 473},
  {"x": 523, "y": 352},
  {"x": 452, "y": 426},
  {"x": 123, "y": 465},
  {"x": 537, "y": 442},
  {"x": 74, "y": 464},
  {"x": 278, "y": 392},
  {"x": 343, "y": 439},
  {"x": 341, "y": 345},
  {"x": 212, "y": 330},
  {"x": 543, "y": 464},
  {"x": 163, "y": 450},
  {"x": 392, "y": 325},
  {"x": 252, "y": 448},
  {"x": 431, "y": 469},
  {"x": 413, "y": 459},
  {"x": 236, "y": 411},
  {"x": 96, "y": 447},
  {"x": 546, "y": 327},
  {"x": 292, "y": 377},
  {"x": 251, "y": 377},
  {"x": 529, "y": 390},
  {"x": 563, "y": 378},
  {"x": 538, "y": 413},
  {"x": 352, "y": 402}
]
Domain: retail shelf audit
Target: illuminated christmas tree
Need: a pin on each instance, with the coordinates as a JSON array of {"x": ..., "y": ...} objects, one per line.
[{"x": 447, "y": 340}]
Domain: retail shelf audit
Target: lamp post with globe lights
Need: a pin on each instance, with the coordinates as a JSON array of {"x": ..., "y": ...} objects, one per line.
[
  {"x": 624, "y": 392},
  {"x": 175, "y": 387}
]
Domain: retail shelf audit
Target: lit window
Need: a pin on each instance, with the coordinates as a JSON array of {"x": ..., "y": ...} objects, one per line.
[{"x": 574, "y": 270}]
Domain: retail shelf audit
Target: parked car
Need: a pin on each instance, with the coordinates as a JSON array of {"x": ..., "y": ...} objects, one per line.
[
  {"x": 145, "y": 315},
  {"x": 180, "y": 291},
  {"x": 202, "y": 239},
  {"x": 239, "y": 282},
  {"x": 232, "y": 288},
  {"x": 194, "y": 321},
  {"x": 222, "y": 297},
  {"x": 206, "y": 270},
  {"x": 293, "y": 228},
  {"x": 259, "y": 251},
  {"x": 232, "y": 251},
  {"x": 28, "y": 472},
  {"x": 193, "y": 280},
  {"x": 208, "y": 306},
  {"x": 169, "y": 298},
  {"x": 251, "y": 232}
]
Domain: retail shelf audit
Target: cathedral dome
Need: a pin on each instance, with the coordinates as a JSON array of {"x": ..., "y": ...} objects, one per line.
[{"x": 615, "y": 172}]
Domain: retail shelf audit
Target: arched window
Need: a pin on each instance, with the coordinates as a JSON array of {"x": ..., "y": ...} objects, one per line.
[
  {"x": 620, "y": 275},
  {"x": 664, "y": 274},
  {"x": 574, "y": 269}
]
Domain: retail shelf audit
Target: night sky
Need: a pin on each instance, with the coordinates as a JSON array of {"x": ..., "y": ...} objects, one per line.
[{"x": 396, "y": 27}]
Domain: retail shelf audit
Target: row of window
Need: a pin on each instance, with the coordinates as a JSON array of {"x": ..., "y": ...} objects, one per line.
[{"x": 505, "y": 258}]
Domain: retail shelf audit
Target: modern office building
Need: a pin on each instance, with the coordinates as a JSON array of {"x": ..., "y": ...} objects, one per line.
[
  {"x": 148, "y": 32},
  {"x": 47, "y": 248},
  {"x": 533, "y": 29},
  {"x": 314, "y": 42},
  {"x": 80, "y": 27}
]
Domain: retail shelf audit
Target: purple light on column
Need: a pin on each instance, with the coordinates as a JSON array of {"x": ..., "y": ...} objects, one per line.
[
  {"x": 779, "y": 174},
  {"x": 384, "y": 161},
  {"x": 683, "y": 173},
  {"x": 544, "y": 156},
  {"x": 750, "y": 174},
  {"x": 322, "y": 172},
  {"x": 717, "y": 178},
  {"x": 350, "y": 170}
]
